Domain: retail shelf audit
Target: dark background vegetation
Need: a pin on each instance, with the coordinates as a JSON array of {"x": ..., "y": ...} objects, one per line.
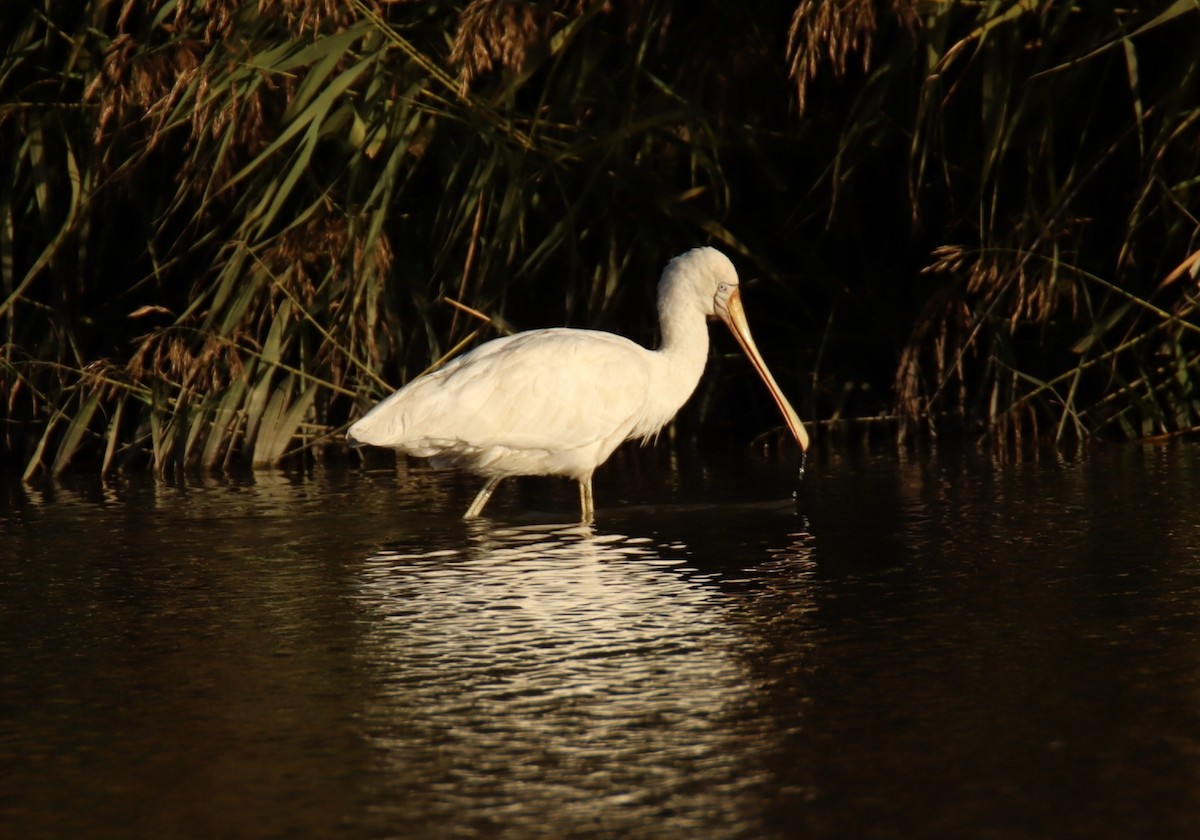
[{"x": 226, "y": 228}]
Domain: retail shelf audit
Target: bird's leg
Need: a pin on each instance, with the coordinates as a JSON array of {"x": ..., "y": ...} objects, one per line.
[
  {"x": 476, "y": 507},
  {"x": 588, "y": 514}
]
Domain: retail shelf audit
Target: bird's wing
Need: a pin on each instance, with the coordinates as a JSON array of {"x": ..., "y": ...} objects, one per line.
[{"x": 544, "y": 389}]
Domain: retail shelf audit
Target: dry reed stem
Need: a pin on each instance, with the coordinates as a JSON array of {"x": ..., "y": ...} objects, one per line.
[
  {"x": 833, "y": 30},
  {"x": 497, "y": 33}
]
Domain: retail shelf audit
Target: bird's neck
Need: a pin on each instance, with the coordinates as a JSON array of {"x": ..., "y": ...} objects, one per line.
[
  {"x": 680, "y": 357},
  {"x": 684, "y": 329}
]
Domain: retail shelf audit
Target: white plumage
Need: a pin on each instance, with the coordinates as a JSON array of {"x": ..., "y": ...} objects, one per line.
[{"x": 560, "y": 401}]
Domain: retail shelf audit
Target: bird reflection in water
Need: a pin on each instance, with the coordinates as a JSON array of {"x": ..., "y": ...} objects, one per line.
[{"x": 554, "y": 676}]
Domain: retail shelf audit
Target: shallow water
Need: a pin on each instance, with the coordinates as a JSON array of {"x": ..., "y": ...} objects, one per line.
[{"x": 932, "y": 645}]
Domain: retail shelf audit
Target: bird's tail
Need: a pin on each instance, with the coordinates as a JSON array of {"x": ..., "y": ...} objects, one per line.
[{"x": 372, "y": 429}]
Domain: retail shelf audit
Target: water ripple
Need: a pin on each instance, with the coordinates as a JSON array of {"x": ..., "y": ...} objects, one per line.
[{"x": 561, "y": 677}]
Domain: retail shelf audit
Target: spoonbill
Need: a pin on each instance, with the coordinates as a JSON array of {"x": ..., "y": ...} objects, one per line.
[{"x": 559, "y": 401}]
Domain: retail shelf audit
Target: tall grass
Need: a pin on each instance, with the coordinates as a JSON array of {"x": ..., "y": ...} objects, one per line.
[
  {"x": 1033, "y": 272},
  {"x": 1054, "y": 159},
  {"x": 229, "y": 226},
  {"x": 227, "y": 219}
]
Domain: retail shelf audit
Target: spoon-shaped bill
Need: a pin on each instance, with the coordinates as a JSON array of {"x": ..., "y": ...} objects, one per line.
[{"x": 735, "y": 318}]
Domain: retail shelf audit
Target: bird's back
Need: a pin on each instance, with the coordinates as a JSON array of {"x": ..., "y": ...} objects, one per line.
[{"x": 545, "y": 402}]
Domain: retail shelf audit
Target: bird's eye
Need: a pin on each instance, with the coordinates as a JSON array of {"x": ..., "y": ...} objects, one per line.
[{"x": 722, "y": 287}]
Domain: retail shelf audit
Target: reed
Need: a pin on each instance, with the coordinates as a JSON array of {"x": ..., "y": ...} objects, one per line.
[
  {"x": 244, "y": 213},
  {"x": 229, "y": 226},
  {"x": 1082, "y": 202},
  {"x": 1048, "y": 271}
]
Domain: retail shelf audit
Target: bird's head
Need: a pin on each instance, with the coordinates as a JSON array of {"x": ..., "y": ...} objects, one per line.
[
  {"x": 705, "y": 278},
  {"x": 701, "y": 277}
]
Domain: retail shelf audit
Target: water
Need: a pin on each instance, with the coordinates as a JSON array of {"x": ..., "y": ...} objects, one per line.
[{"x": 924, "y": 645}]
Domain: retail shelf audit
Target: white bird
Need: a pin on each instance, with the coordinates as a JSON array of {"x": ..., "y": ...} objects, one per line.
[{"x": 560, "y": 401}]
